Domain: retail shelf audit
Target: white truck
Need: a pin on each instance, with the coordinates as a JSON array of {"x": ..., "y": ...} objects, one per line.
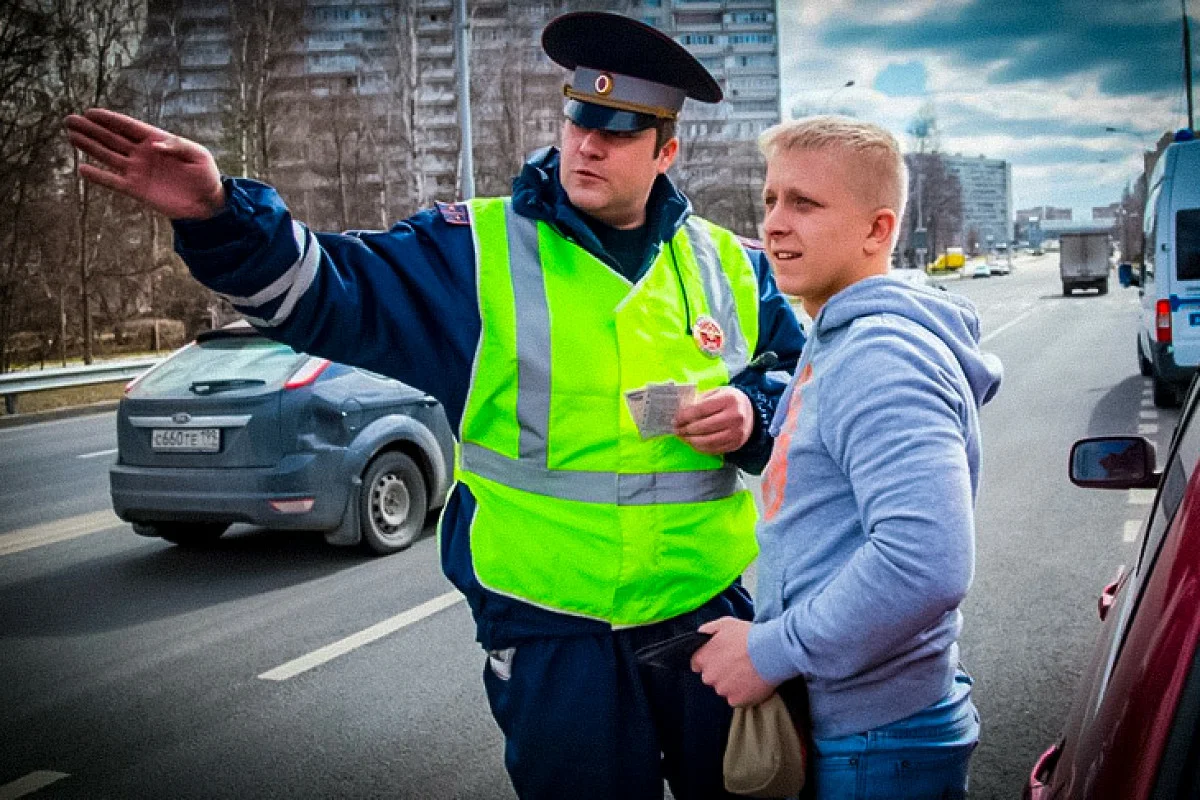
[{"x": 1083, "y": 260}]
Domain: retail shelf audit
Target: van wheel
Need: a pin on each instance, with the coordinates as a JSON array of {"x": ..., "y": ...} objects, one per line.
[
  {"x": 1066, "y": 290},
  {"x": 1102, "y": 288},
  {"x": 1144, "y": 365},
  {"x": 1165, "y": 395},
  {"x": 393, "y": 503}
]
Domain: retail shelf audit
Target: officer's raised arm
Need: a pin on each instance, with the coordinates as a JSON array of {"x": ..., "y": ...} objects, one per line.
[{"x": 174, "y": 176}]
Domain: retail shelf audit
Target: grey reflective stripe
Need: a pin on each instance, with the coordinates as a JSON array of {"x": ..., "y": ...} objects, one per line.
[
  {"x": 533, "y": 334},
  {"x": 295, "y": 281},
  {"x": 722, "y": 305},
  {"x": 612, "y": 488}
]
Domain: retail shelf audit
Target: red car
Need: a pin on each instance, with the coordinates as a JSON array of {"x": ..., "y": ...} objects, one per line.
[{"x": 1134, "y": 729}]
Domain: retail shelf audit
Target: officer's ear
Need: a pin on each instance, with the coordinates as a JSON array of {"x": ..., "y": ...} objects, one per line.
[{"x": 667, "y": 153}]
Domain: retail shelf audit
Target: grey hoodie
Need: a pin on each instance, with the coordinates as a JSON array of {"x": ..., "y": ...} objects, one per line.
[{"x": 867, "y": 538}]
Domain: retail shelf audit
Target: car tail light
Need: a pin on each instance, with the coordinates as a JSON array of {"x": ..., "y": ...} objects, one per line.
[
  {"x": 307, "y": 373},
  {"x": 1162, "y": 322},
  {"x": 300, "y": 505}
]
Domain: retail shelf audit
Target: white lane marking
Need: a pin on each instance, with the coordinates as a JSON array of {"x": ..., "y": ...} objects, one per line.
[
  {"x": 1148, "y": 414},
  {"x": 58, "y": 531},
  {"x": 1147, "y": 428},
  {"x": 98, "y": 453},
  {"x": 1132, "y": 528},
  {"x": 1007, "y": 325},
  {"x": 377, "y": 631},
  {"x": 1141, "y": 497},
  {"x": 30, "y": 784},
  {"x": 1147, "y": 402}
]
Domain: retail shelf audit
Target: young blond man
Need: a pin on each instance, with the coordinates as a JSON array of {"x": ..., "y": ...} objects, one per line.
[{"x": 867, "y": 536}]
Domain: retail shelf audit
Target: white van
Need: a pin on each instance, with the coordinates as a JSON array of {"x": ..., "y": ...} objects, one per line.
[{"x": 1169, "y": 279}]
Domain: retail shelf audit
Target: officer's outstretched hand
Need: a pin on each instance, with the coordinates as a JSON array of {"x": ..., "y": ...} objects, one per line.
[
  {"x": 720, "y": 421},
  {"x": 172, "y": 175}
]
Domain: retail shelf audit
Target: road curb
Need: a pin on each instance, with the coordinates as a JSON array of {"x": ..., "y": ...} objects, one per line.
[{"x": 16, "y": 420}]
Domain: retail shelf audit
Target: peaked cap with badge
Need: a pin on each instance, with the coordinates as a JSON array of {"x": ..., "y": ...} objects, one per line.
[{"x": 627, "y": 74}]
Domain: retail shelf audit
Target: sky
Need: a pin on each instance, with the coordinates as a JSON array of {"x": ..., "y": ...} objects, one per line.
[{"x": 1034, "y": 82}]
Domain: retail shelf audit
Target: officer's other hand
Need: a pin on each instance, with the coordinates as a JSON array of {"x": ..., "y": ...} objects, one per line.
[
  {"x": 724, "y": 663},
  {"x": 720, "y": 421},
  {"x": 172, "y": 175}
]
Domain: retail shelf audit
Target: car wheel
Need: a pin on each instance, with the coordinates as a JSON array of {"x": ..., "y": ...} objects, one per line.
[
  {"x": 1144, "y": 365},
  {"x": 1102, "y": 288},
  {"x": 1165, "y": 395},
  {"x": 1066, "y": 290},
  {"x": 393, "y": 504},
  {"x": 192, "y": 534}
]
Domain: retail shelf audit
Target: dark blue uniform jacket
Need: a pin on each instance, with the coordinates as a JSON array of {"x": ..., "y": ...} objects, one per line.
[{"x": 403, "y": 303}]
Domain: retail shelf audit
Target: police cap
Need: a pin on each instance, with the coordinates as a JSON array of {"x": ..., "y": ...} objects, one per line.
[{"x": 626, "y": 74}]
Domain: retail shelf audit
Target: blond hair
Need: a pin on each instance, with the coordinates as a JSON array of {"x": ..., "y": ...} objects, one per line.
[{"x": 877, "y": 167}]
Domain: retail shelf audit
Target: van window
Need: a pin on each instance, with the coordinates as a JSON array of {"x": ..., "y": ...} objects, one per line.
[
  {"x": 1187, "y": 244},
  {"x": 1150, "y": 233}
]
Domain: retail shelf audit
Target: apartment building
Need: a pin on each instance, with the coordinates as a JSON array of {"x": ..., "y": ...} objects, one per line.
[
  {"x": 986, "y": 196},
  {"x": 361, "y": 96}
]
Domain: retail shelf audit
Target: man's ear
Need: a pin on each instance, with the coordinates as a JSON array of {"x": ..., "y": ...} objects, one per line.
[
  {"x": 883, "y": 226},
  {"x": 666, "y": 156}
]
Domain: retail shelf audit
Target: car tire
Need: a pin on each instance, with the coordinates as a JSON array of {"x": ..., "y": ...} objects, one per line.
[
  {"x": 1165, "y": 395},
  {"x": 1102, "y": 288},
  {"x": 191, "y": 534},
  {"x": 1144, "y": 365},
  {"x": 1066, "y": 290},
  {"x": 393, "y": 503}
]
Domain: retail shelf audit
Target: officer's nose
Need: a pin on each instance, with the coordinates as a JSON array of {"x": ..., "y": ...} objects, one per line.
[{"x": 592, "y": 143}]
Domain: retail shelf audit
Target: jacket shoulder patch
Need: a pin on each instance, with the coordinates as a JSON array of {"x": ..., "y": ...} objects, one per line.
[
  {"x": 454, "y": 213},
  {"x": 753, "y": 244}
]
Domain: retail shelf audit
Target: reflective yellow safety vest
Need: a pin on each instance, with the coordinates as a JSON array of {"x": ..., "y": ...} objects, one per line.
[{"x": 575, "y": 512}]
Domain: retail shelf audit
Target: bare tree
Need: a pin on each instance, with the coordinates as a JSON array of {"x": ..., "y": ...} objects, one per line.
[
  {"x": 935, "y": 202},
  {"x": 260, "y": 34},
  {"x": 96, "y": 40}
]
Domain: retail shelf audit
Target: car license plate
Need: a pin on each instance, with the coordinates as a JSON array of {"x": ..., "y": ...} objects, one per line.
[{"x": 186, "y": 440}]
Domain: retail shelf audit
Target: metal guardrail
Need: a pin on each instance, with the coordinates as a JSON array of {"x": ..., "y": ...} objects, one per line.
[{"x": 14, "y": 384}]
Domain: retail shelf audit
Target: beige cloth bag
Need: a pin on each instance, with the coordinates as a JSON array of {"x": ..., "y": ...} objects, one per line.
[{"x": 767, "y": 752}]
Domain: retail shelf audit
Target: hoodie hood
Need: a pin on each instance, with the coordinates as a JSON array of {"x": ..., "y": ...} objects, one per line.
[
  {"x": 538, "y": 194},
  {"x": 950, "y": 317}
]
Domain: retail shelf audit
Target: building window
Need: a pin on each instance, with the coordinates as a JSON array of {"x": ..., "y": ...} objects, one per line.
[
  {"x": 697, "y": 38},
  {"x": 751, "y": 38},
  {"x": 750, "y": 17}
]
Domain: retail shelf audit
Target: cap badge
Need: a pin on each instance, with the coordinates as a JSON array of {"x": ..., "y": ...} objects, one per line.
[
  {"x": 709, "y": 336},
  {"x": 604, "y": 84}
]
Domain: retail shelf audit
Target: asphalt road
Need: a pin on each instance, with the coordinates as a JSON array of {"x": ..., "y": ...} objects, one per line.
[{"x": 131, "y": 668}]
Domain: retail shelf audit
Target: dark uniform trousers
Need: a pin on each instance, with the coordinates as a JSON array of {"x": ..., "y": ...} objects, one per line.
[{"x": 582, "y": 719}]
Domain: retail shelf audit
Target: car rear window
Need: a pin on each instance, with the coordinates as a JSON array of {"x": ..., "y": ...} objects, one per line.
[
  {"x": 1187, "y": 244},
  {"x": 252, "y": 360}
]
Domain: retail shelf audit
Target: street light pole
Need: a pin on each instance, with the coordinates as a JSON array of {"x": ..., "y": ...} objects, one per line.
[
  {"x": 1187, "y": 60},
  {"x": 833, "y": 94},
  {"x": 463, "y": 45}
]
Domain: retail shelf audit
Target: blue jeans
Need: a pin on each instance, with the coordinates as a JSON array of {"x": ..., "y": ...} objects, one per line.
[{"x": 922, "y": 757}]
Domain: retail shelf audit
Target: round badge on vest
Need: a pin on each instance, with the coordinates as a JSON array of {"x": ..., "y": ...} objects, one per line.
[{"x": 709, "y": 336}]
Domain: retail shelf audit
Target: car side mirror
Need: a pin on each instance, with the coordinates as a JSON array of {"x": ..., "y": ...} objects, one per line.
[{"x": 1113, "y": 462}]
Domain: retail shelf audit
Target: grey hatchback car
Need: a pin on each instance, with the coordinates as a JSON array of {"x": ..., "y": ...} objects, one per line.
[{"x": 235, "y": 427}]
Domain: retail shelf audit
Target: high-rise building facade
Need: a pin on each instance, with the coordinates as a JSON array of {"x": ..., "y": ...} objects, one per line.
[
  {"x": 986, "y": 196},
  {"x": 351, "y": 106}
]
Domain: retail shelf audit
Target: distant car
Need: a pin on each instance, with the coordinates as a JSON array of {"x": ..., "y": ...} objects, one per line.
[
  {"x": 979, "y": 269},
  {"x": 1134, "y": 728},
  {"x": 1000, "y": 267},
  {"x": 235, "y": 427}
]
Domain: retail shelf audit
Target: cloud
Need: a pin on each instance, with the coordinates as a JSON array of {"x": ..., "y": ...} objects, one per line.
[{"x": 1130, "y": 47}]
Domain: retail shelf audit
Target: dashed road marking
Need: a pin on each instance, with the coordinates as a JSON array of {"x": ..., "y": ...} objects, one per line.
[
  {"x": 1148, "y": 414},
  {"x": 29, "y": 784},
  {"x": 1147, "y": 402},
  {"x": 377, "y": 631},
  {"x": 1147, "y": 429},
  {"x": 1007, "y": 325},
  {"x": 1141, "y": 497},
  {"x": 1132, "y": 528},
  {"x": 57, "y": 531},
  {"x": 98, "y": 453}
]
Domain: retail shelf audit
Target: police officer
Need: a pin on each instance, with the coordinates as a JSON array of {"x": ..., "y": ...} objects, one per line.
[{"x": 539, "y": 320}]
